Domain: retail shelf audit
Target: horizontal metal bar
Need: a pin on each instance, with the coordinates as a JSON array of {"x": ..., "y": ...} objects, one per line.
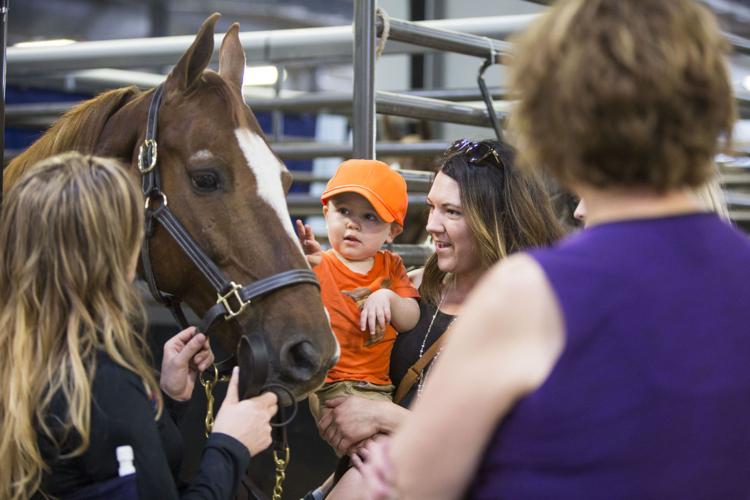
[
  {"x": 304, "y": 150},
  {"x": 417, "y": 181},
  {"x": 35, "y": 115},
  {"x": 342, "y": 101},
  {"x": 444, "y": 40},
  {"x": 276, "y": 46},
  {"x": 302, "y": 205},
  {"x": 89, "y": 81},
  {"x": 411, "y": 106},
  {"x": 726, "y": 179},
  {"x": 42, "y": 114},
  {"x": 391, "y": 103},
  {"x": 741, "y": 45},
  {"x": 308, "y": 150},
  {"x": 740, "y": 216},
  {"x": 736, "y": 198},
  {"x": 412, "y": 255}
]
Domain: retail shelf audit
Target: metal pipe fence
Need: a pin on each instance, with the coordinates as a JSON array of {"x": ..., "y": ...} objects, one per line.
[{"x": 261, "y": 47}]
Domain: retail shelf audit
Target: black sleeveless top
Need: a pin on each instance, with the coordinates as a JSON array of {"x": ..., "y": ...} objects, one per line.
[{"x": 406, "y": 348}]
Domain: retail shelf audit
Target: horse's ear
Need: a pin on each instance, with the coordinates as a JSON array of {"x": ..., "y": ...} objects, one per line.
[
  {"x": 232, "y": 57},
  {"x": 192, "y": 63}
]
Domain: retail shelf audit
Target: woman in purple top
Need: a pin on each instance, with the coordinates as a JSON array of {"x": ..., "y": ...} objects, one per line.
[{"x": 614, "y": 365}]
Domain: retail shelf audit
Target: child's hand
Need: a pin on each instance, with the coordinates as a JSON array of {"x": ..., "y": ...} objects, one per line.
[
  {"x": 313, "y": 250},
  {"x": 376, "y": 313}
]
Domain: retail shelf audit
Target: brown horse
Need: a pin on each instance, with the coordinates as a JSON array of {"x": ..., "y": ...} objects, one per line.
[{"x": 227, "y": 189}]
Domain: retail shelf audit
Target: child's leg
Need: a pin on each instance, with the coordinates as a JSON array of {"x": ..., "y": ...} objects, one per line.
[
  {"x": 351, "y": 486},
  {"x": 371, "y": 391},
  {"x": 314, "y": 402}
]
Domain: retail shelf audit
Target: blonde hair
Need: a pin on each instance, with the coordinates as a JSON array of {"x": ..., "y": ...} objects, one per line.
[
  {"x": 69, "y": 231},
  {"x": 711, "y": 195},
  {"x": 622, "y": 93}
]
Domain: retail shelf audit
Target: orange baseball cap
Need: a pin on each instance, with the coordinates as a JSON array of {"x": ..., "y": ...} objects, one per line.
[{"x": 382, "y": 186}]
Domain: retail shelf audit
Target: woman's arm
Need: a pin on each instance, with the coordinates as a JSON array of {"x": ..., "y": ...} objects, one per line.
[
  {"x": 505, "y": 343},
  {"x": 124, "y": 415},
  {"x": 353, "y": 419}
]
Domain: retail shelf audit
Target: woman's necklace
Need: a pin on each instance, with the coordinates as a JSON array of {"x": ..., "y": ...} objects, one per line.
[{"x": 420, "y": 382}]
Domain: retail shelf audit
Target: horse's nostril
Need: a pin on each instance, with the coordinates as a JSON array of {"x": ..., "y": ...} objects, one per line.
[{"x": 300, "y": 360}]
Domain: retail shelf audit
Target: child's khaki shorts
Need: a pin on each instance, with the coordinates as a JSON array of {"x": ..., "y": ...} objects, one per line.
[{"x": 331, "y": 390}]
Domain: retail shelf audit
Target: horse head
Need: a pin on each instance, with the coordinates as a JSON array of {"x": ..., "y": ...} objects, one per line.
[{"x": 227, "y": 188}]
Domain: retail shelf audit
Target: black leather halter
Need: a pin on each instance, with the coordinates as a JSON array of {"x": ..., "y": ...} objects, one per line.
[{"x": 232, "y": 298}]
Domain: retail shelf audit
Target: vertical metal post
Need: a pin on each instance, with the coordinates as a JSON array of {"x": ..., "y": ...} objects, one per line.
[
  {"x": 277, "y": 117},
  {"x": 159, "y": 17},
  {"x": 3, "y": 42},
  {"x": 363, "y": 105}
]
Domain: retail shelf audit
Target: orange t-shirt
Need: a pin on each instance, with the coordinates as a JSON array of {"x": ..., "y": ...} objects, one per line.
[{"x": 341, "y": 288}]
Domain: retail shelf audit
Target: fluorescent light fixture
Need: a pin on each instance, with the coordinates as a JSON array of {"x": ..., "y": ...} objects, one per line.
[
  {"x": 746, "y": 83},
  {"x": 260, "y": 75},
  {"x": 58, "y": 42}
]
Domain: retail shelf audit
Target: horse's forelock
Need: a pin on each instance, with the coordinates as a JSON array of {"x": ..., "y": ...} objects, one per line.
[{"x": 77, "y": 130}]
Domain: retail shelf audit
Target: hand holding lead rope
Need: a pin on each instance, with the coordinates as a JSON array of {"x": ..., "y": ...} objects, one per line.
[{"x": 253, "y": 359}]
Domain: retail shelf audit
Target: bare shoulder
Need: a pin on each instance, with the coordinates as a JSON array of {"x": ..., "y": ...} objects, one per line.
[
  {"x": 514, "y": 312},
  {"x": 415, "y": 275},
  {"x": 518, "y": 281},
  {"x": 520, "y": 267}
]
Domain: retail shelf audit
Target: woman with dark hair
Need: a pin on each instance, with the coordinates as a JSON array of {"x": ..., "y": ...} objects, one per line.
[
  {"x": 482, "y": 209},
  {"x": 613, "y": 365}
]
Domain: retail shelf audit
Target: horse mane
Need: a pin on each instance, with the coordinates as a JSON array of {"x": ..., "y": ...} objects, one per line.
[{"x": 77, "y": 130}]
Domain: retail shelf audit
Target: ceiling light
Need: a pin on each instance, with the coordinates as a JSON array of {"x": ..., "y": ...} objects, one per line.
[{"x": 261, "y": 75}]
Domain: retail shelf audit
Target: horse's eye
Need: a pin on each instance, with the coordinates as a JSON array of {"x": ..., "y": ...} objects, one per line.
[{"x": 205, "y": 181}]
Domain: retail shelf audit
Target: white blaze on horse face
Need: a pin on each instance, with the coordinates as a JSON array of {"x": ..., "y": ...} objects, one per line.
[{"x": 267, "y": 170}]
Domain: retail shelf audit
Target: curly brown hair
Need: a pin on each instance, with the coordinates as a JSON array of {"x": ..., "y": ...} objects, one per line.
[{"x": 621, "y": 93}]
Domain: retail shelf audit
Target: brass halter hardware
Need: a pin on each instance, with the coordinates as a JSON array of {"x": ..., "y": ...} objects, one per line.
[
  {"x": 224, "y": 299},
  {"x": 163, "y": 200},
  {"x": 208, "y": 387},
  {"x": 281, "y": 464},
  {"x": 148, "y": 145}
]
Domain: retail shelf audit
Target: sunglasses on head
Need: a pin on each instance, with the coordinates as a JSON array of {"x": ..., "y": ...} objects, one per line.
[{"x": 475, "y": 152}]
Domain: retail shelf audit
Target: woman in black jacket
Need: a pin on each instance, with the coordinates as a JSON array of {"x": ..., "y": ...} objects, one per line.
[{"x": 77, "y": 381}]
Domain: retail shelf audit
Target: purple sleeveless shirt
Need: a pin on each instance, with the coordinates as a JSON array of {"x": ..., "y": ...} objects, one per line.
[{"x": 650, "y": 398}]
